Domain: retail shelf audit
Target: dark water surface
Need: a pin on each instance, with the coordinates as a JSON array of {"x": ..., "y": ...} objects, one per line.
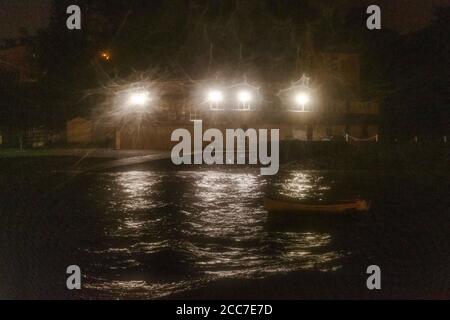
[{"x": 157, "y": 231}]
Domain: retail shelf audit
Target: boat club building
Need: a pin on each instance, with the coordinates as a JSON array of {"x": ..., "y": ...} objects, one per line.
[{"x": 323, "y": 106}]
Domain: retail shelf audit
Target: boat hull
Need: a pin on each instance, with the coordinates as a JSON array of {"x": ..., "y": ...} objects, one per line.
[{"x": 341, "y": 207}]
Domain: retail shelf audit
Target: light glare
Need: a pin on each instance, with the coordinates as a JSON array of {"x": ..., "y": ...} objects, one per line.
[
  {"x": 139, "y": 99},
  {"x": 215, "y": 96},
  {"x": 302, "y": 99},
  {"x": 244, "y": 96}
]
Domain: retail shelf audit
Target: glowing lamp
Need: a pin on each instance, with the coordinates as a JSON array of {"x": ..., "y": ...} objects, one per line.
[
  {"x": 244, "y": 97},
  {"x": 105, "y": 56},
  {"x": 302, "y": 99},
  {"x": 138, "y": 99},
  {"x": 215, "y": 96}
]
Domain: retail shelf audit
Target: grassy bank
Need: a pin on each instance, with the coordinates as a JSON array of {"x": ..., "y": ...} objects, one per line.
[{"x": 17, "y": 153}]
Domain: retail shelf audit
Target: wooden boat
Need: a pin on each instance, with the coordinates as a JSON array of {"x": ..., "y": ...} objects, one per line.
[{"x": 303, "y": 207}]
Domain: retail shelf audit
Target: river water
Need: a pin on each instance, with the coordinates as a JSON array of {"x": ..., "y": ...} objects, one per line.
[{"x": 157, "y": 231}]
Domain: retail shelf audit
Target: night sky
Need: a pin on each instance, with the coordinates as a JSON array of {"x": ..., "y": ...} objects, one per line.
[
  {"x": 14, "y": 14},
  {"x": 402, "y": 15}
]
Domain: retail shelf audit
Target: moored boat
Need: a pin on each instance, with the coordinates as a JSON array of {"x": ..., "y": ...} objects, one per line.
[{"x": 303, "y": 207}]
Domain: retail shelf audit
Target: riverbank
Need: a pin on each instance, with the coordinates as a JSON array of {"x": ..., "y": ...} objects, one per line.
[
  {"x": 306, "y": 155},
  {"x": 101, "y": 153}
]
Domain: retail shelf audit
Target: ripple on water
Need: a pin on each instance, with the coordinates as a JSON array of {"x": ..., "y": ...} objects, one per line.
[{"x": 170, "y": 231}]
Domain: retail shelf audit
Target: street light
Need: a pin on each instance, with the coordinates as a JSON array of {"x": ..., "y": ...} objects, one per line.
[
  {"x": 244, "y": 97},
  {"x": 302, "y": 99},
  {"x": 215, "y": 98},
  {"x": 131, "y": 107},
  {"x": 137, "y": 100},
  {"x": 298, "y": 96},
  {"x": 105, "y": 56}
]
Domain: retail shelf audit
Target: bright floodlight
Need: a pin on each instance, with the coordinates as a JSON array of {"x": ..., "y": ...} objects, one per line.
[
  {"x": 139, "y": 99},
  {"x": 215, "y": 96},
  {"x": 302, "y": 99},
  {"x": 244, "y": 96}
]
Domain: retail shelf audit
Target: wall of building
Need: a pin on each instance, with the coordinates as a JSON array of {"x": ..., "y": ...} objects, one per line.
[
  {"x": 79, "y": 131},
  {"x": 159, "y": 137}
]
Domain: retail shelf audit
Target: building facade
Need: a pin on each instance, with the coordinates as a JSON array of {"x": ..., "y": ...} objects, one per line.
[{"x": 335, "y": 110}]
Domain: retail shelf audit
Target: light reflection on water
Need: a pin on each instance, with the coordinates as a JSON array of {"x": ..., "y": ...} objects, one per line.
[
  {"x": 303, "y": 185},
  {"x": 161, "y": 232},
  {"x": 170, "y": 231},
  {"x": 136, "y": 186}
]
